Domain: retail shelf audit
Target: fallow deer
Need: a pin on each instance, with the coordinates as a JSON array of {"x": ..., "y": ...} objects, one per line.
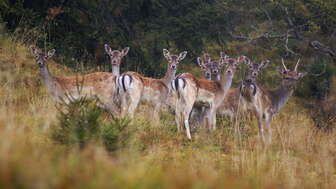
[
  {"x": 190, "y": 89},
  {"x": 210, "y": 72},
  {"x": 136, "y": 88},
  {"x": 99, "y": 85},
  {"x": 233, "y": 102},
  {"x": 266, "y": 103}
]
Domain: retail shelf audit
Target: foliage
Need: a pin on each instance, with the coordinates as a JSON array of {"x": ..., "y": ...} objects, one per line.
[
  {"x": 78, "y": 123},
  {"x": 116, "y": 134}
]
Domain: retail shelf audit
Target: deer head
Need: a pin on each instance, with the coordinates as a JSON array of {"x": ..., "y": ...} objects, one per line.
[
  {"x": 116, "y": 55},
  {"x": 255, "y": 68},
  {"x": 289, "y": 77},
  {"x": 173, "y": 60},
  {"x": 231, "y": 63},
  {"x": 41, "y": 58},
  {"x": 210, "y": 68},
  {"x": 248, "y": 87}
]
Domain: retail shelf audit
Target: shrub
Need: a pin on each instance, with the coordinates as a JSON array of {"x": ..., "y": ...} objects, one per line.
[
  {"x": 116, "y": 134},
  {"x": 78, "y": 123}
]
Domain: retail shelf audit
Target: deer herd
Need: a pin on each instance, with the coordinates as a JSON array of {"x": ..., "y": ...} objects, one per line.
[{"x": 188, "y": 96}]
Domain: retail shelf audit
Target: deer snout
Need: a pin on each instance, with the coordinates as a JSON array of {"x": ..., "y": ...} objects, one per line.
[
  {"x": 173, "y": 67},
  {"x": 40, "y": 63}
]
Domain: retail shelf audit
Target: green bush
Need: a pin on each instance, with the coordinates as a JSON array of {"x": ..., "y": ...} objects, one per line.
[
  {"x": 116, "y": 134},
  {"x": 78, "y": 123}
]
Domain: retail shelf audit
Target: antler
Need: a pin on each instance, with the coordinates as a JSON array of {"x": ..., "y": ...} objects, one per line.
[
  {"x": 283, "y": 63},
  {"x": 200, "y": 62},
  {"x": 297, "y": 65}
]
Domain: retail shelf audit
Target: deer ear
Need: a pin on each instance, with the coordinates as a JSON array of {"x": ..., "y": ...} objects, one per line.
[
  {"x": 51, "y": 53},
  {"x": 182, "y": 55},
  {"x": 200, "y": 62},
  {"x": 263, "y": 64},
  {"x": 34, "y": 50},
  {"x": 107, "y": 49},
  {"x": 125, "y": 51},
  {"x": 166, "y": 54}
]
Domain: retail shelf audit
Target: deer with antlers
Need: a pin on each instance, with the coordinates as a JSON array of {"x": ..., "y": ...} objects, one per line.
[
  {"x": 135, "y": 88},
  {"x": 191, "y": 90},
  {"x": 266, "y": 103},
  {"x": 98, "y": 85}
]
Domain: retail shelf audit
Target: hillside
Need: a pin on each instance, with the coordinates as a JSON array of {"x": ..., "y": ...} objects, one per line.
[{"x": 146, "y": 155}]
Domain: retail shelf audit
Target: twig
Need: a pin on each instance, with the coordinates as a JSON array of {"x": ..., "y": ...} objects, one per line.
[
  {"x": 287, "y": 48},
  {"x": 323, "y": 72},
  {"x": 323, "y": 48},
  {"x": 266, "y": 35}
]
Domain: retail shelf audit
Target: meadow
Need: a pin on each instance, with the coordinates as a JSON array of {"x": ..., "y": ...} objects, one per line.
[{"x": 138, "y": 154}]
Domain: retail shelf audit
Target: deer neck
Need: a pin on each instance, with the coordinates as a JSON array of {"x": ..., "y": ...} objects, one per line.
[
  {"x": 216, "y": 78},
  {"x": 116, "y": 70},
  {"x": 282, "y": 95},
  {"x": 169, "y": 76},
  {"x": 45, "y": 74},
  {"x": 226, "y": 81}
]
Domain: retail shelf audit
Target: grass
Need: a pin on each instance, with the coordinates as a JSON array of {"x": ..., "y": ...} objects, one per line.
[{"x": 153, "y": 156}]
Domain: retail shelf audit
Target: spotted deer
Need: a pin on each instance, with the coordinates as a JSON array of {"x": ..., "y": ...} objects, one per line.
[
  {"x": 136, "y": 88},
  {"x": 191, "y": 90},
  {"x": 234, "y": 102},
  {"x": 98, "y": 85},
  {"x": 210, "y": 72},
  {"x": 210, "y": 68},
  {"x": 266, "y": 103}
]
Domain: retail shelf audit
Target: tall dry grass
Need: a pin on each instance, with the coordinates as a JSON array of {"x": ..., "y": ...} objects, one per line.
[{"x": 155, "y": 156}]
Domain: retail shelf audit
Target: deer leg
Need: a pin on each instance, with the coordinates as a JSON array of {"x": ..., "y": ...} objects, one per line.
[
  {"x": 212, "y": 118},
  {"x": 156, "y": 115},
  {"x": 186, "y": 114},
  {"x": 268, "y": 120},
  {"x": 178, "y": 116},
  {"x": 214, "y": 121},
  {"x": 260, "y": 126},
  {"x": 202, "y": 116},
  {"x": 134, "y": 102},
  {"x": 207, "y": 119},
  {"x": 124, "y": 105}
]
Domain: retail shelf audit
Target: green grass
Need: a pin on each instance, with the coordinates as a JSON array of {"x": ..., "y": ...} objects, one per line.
[{"x": 146, "y": 155}]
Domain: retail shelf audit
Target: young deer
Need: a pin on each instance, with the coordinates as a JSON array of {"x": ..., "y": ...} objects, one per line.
[
  {"x": 99, "y": 85},
  {"x": 210, "y": 68},
  {"x": 191, "y": 89},
  {"x": 266, "y": 103},
  {"x": 210, "y": 72},
  {"x": 136, "y": 88},
  {"x": 233, "y": 102}
]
